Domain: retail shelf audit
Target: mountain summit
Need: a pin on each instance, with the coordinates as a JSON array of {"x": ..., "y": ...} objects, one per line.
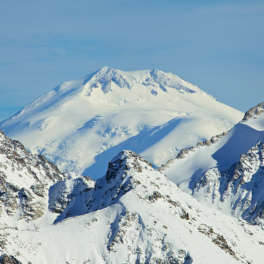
[{"x": 81, "y": 124}]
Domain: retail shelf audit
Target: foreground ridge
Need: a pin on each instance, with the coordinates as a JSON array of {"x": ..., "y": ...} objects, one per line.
[
  {"x": 134, "y": 214},
  {"x": 227, "y": 175}
]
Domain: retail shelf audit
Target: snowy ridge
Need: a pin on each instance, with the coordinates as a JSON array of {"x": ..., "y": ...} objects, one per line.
[
  {"x": 184, "y": 152},
  {"x": 227, "y": 175},
  {"x": 80, "y": 125},
  {"x": 134, "y": 214}
]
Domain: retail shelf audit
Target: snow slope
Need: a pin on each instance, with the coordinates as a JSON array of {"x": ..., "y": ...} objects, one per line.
[
  {"x": 134, "y": 214},
  {"x": 82, "y": 124},
  {"x": 226, "y": 172}
]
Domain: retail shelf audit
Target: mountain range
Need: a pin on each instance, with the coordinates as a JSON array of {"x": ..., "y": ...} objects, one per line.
[
  {"x": 134, "y": 214},
  {"x": 204, "y": 205}
]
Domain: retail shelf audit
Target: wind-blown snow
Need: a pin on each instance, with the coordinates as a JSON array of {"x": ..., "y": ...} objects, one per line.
[{"x": 82, "y": 124}]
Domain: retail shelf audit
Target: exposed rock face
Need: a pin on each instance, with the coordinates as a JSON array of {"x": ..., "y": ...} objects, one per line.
[
  {"x": 24, "y": 180},
  {"x": 227, "y": 175},
  {"x": 134, "y": 214},
  {"x": 5, "y": 259},
  {"x": 63, "y": 192},
  {"x": 240, "y": 187},
  {"x": 184, "y": 152},
  {"x": 130, "y": 175},
  {"x": 254, "y": 112},
  {"x": 107, "y": 190}
]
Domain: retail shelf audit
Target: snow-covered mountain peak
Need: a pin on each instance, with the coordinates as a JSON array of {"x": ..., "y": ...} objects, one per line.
[
  {"x": 107, "y": 79},
  {"x": 81, "y": 124},
  {"x": 127, "y": 160},
  {"x": 127, "y": 172},
  {"x": 104, "y": 78},
  {"x": 145, "y": 84}
]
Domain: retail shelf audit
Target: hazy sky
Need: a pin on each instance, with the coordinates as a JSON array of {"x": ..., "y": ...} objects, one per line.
[{"x": 217, "y": 45}]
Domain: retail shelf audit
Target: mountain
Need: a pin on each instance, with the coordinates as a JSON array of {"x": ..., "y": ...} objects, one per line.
[
  {"x": 227, "y": 171},
  {"x": 26, "y": 196},
  {"x": 134, "y": 214},
  {"x": 80, "y": 125},
  {"x": 24, "y": 183}
]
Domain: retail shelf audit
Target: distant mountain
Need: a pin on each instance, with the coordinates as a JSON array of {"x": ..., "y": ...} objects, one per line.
[
  {"x": 134, "y": 214},
  {"x": 226, "y": 172},
  {"x": 82, "y": 124}
]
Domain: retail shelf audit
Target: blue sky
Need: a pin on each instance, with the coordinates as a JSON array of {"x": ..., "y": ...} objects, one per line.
[{"x": 217, "y": 45}]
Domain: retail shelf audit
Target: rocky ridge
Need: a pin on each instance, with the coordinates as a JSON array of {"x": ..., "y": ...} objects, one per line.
[
  {"x": 24, "y": 181},
  {"x": 185, "y": 151},
  {"x": 134, "y": 214},
  {"x": 32, "y": 191},
  {"x": 240, "y": 186},
  {"x": 229, "y": 175},
  {"x": 254, "y": 112}
]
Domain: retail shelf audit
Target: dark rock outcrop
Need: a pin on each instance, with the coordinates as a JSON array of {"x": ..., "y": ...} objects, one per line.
[{"x": 6, "y": 259}]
